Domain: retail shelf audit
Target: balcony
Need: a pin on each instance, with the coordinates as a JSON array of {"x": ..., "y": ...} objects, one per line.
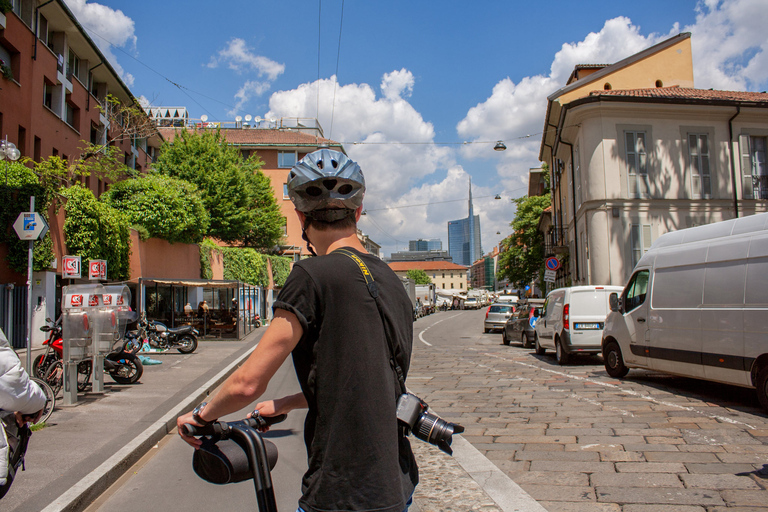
[{"x": 555, "y": 241}]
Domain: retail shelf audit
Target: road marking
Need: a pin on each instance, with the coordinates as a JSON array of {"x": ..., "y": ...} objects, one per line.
[{"x": 429, "y": 327}]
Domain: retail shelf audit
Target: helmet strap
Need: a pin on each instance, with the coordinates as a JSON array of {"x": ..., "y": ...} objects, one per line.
[{"x": 306, "y": 238}]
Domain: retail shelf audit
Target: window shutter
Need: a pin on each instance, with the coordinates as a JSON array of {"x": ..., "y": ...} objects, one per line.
[
  {"x": 646, "y": 238},
  {"x": 746, "y": 168}
]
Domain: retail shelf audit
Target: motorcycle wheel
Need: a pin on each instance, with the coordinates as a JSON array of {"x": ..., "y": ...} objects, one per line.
[
  {"x": 128, "y": 368},
  {"x": 187, "y": 344},
  {"x": 132, "y": 345},
  {"x": 83, "y": 374}
]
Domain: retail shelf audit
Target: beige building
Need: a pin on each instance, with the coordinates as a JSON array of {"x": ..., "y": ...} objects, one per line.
[
  {"x": 444, "y": 274},
  {"x": 635, "y": 151}
]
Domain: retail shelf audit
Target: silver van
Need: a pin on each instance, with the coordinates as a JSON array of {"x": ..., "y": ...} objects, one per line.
[
  {"x": 571, "y": 321},
  {"x": 697, "y": 306}
]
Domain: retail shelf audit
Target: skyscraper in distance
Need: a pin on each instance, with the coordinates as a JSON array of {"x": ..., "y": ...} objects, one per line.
[{"x": 464, "y": 236}]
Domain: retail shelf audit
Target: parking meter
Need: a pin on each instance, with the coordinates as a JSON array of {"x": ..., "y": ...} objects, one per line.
[{"x": 79, "y": 323}]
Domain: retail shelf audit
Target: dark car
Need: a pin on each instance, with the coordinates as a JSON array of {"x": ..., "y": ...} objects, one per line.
[{"x": 520, "y": 325}]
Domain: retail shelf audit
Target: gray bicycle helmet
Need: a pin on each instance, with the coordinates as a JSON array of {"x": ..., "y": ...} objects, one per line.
[{"x": 326, "y": 185}]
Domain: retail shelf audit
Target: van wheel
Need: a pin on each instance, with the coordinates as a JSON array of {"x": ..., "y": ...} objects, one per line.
[
  {"x": 762, "y": 387},
  {"x": 539, "y": 349},
  {"x": 561, "y": 355},
  {"x": 526, "y": 341},
  {"x": 614, "y": 363}
]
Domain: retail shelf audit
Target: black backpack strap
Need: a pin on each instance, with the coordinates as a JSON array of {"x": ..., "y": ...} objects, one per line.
[{"x": 374, "y": 291}]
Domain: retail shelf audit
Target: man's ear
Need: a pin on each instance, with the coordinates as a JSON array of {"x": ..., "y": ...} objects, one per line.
[
  {"x": 302, "y": 217},
  {"x": 358, "y": 213}
]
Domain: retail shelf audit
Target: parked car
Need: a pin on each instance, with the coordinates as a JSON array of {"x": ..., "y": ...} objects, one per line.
[
  {"x": 520, "y": 326},
  {"x": 696, "y": 306},
  {"x": 496, "y": 316},
  {"x": 572, "y": 321},
  {"x": 471, "y": 303},
  {"x": 506, "y": 299}
]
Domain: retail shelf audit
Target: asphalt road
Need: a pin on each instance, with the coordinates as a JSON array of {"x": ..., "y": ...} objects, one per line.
[
  {"x": 164, "y": 479},
  {"x": 576, "y": 439}
]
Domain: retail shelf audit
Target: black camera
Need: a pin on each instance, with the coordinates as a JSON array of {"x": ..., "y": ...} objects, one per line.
[{"x": 413, "y": 413}]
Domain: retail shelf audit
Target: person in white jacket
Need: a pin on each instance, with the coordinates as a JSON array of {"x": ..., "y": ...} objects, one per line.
[{"x": 18, "y": 394}]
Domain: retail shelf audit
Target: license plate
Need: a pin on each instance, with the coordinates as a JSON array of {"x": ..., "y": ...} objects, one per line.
[{"x": 589, "y": 326}]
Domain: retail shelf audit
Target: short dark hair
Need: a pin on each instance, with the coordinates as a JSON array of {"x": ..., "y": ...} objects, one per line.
[{"x": 322, "y": 225}]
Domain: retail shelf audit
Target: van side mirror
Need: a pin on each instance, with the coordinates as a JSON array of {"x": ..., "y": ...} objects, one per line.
[{"x": 613, "y": 302}]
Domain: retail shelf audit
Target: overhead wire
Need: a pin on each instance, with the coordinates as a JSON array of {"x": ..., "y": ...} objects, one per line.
[{"x": 336, "y": 80}]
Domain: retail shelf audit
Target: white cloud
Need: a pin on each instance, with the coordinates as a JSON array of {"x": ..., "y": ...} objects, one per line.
[
  {"x": 107, "y": 27},
  {"x": 730, "y": 48},
  {"x": 239, "y": 57}
]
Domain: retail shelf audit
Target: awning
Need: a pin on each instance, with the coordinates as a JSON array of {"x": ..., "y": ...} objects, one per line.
[{"x": 203, "y": 283}]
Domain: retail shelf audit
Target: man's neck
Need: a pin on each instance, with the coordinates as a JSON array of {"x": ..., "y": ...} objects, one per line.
[{"x": 329, "y": 241}]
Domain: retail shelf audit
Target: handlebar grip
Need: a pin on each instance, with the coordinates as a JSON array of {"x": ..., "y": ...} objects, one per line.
[
  {"x": 259, "y": 421},
  {"x": 193, "y": 430}
]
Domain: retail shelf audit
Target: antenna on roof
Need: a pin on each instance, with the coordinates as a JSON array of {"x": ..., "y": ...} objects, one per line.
[
  {"x": 239, "y": 118},
  {"x": 204, "y": 118}
]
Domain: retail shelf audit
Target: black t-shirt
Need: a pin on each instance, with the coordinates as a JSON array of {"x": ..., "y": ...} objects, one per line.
[{"x": 358, "y": 460}]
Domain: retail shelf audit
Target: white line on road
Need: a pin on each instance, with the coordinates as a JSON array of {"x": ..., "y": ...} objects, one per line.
[{"x": 434, "y": 324}]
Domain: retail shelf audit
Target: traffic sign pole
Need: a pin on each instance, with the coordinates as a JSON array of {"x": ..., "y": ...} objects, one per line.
[{"x": 29, "y": 295}]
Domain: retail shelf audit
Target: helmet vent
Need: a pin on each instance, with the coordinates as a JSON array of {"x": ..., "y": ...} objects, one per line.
[
  {"x": 345, "y": 189},
  {"x": 314, "y": 191},
  {"x": 334, "y": 163},
  {"x": 319, "y": 164},
  {"x": 329, "y": 184}
]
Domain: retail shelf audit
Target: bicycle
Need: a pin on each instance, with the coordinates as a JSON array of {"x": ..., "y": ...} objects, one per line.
[
  {"x": 50, "y": 399},
  {"x": 220, "y": 462}
]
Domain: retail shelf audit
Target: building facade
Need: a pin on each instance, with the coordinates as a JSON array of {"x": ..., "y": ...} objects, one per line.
[
  {"x": 433, "y": 244},
  {"x": 635, "y": 151},
  {"x": 464, "y": 244},
  {"x": 445, "y": 275},
  {"x": 420, "y": 256}
]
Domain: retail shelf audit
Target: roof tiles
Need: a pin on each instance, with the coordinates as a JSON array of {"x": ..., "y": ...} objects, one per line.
[{"x": 684, "y": 93}]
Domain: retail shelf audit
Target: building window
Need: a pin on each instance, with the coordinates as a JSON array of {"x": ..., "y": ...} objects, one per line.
[
  {"x": 48, "y": 95},
  {"x": 443, "y": 286},
  {"x": 286, "y": 159},
  {"x": 637, "y": 164},
  {"x": 285, "y": 226},
  {"x": 753, "y": 167},
  {"x": 285, "y": 191},
  {"x": 698, "y": 150},
  {"x": 461, "y": 286},
  {"x": 641, "y": 241},
  {"x": 451, "y": 275},
  {"x": 73, "y": 65},
  {"x": 451, "y": 285},
  {"x": 443, "y": 275}
]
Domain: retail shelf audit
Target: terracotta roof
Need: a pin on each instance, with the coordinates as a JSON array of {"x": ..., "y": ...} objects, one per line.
[
  {"x": 683, "y": 93},
  {"x": 264, "y": 137},
  {"x": 402, "y": 266}
]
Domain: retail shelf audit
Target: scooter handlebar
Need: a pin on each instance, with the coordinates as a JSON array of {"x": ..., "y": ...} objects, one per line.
[{"x": 221, "y": 428}]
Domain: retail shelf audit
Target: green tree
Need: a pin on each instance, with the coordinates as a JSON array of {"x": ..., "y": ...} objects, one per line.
[
  {"x": 95, "y": 230},
  {"x": 418, "y": 276},
  {"x": 522, "y": 257},
  {"x": 23, "y": 183},
  {"x": 236, "y": 194},
  {"x": 168, "y": 208}
]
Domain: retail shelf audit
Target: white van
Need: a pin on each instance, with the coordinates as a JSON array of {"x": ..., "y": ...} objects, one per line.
[
  {"x": 697, "y": 306},
  {"x": 571, "y": 321}
]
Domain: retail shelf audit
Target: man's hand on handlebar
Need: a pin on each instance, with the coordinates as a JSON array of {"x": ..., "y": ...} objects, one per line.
[
  {"x": 33, "y": 418},
  {"x": 188, "y": 419}
]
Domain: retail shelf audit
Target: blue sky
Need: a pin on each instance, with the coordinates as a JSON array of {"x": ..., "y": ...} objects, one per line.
[{"x": 411, "y": 81}]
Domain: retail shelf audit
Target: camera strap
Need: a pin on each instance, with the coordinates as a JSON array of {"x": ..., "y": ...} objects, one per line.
[{"x": 374, "y": 291}]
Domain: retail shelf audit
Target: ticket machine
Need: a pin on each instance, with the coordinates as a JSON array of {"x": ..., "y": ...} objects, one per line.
[{"x": 80, "y": 326}]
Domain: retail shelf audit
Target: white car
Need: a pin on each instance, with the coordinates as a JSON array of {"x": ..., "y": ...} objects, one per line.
[
  {"x": 471, "y": 304},
  {"x": 572, "y": 321}
]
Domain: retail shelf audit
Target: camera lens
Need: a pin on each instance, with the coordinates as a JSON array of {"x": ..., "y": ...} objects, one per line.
[{"x": 436, "y": 431}]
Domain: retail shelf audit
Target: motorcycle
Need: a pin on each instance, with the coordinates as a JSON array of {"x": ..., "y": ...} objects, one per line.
[
  {"x": 257, "y": 320},
  {"x": 183, "y": 339},
  {"x": 54, "y": 353}
]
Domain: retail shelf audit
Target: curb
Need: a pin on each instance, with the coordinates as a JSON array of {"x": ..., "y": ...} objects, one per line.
[{"x": 81, "y": 494}]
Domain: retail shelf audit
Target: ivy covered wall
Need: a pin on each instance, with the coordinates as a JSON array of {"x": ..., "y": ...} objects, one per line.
[{"x": 244, "y": 264}]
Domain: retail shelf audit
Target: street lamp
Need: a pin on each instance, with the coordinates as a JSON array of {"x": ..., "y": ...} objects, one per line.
[{"x": 8, "y": 152}]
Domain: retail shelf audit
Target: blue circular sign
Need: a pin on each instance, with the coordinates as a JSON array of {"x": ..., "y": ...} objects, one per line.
[
  {"x": 527, "y": 287},
  {"x": 552, "y": 263},
  {"x": 532, "y": 322}
]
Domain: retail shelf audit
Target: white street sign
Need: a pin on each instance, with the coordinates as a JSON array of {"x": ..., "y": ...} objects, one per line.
[
  {"x": 550, "y": 276},
  {"x": 30, "y": 226}
]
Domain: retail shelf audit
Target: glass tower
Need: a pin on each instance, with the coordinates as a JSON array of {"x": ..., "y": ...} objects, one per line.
[{"x": 464, "y": 236}]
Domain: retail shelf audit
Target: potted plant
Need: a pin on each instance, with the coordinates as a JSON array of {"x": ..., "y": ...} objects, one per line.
[{"x": 5, "y": 69}]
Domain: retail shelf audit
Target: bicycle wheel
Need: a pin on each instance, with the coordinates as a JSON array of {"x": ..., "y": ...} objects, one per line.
[
  {"x": 50, "y": 399},
  {"x": 83, "y": 374},
  {"x": 54, "y": 377}
]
